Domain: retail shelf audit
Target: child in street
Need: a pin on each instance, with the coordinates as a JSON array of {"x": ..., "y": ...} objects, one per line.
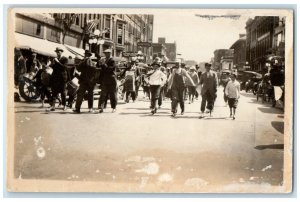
[{"x": 232, "y": 91}]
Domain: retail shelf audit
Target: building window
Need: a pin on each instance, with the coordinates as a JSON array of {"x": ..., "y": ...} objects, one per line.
[
  {"x": 77, "y": 21},
  {"x": 107, "y": 26},
  {"x": 53, "y": 34},
  {"x": 120, "y": 34},
  {"x": 30, "y": 27},
  {"x": 38, "y": 29}
]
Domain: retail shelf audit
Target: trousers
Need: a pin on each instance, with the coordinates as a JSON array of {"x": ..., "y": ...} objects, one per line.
[
  {"x": 58, "y": 88},
  {"x": 177, "y": 95},
  {"x": 108, "y": 91},
  {"x": 155, "y": 93},
  {"x": 81, "y": 92},
  {"x": 207, "y": 101}
]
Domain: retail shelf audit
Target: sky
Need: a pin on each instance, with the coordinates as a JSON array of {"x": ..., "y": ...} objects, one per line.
[{"x": 197, "y": 37}]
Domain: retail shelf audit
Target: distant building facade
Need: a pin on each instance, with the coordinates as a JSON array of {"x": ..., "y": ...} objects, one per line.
[
  {"x": 121, "y": 33},
  {"x": 239, "y": 54},
  {"x": 220, "y": 54},
  {"x": 265, "y": 35},
  {"x": 190, "y": 62},
  {"x": 167, "y": 51}
]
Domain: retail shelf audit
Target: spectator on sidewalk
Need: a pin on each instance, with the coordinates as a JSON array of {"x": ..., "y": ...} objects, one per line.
[{"x": 20, "y": 67}]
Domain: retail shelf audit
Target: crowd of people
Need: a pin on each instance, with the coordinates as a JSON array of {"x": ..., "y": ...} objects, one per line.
[{"x": 56, "y": 77}]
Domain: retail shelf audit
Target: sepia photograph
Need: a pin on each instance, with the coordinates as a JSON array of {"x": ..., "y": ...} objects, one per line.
[{"x": 141, "y": 100}]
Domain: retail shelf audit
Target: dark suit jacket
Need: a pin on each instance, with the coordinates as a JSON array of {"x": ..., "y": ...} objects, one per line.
[
  {"x": 88, "y": 72},
  {"x": 209, "y": 82},
  {"x": 59, "y": 74},
  {"x": 109, "y": 72}
]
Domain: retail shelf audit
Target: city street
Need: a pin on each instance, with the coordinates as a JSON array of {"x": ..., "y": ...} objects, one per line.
[{"x": 152, "y": 152}]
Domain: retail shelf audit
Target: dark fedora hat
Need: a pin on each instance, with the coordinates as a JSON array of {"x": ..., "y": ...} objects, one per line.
[
  {"x": 87, "y": 52},
  {"x": 58, "y": 49},
  {"x": 207, "y": 64}
]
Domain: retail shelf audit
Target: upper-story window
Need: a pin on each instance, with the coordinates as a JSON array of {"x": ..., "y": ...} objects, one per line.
[
  {"x": 120, "y": 33},
  {"x": 30, "y": 27},
  {"x": 107, "y": 24},
  {"x": 77, "y": 21}
]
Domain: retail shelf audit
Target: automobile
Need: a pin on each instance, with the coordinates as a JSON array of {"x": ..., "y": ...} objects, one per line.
[
  {"x": 170, "y": 64},
  {"x": 224, "y": 77},
  {"x": 247, "y": 76}
]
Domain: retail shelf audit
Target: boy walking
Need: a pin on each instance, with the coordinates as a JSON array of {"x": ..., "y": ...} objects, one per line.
[{"x": 232, "y": 91}]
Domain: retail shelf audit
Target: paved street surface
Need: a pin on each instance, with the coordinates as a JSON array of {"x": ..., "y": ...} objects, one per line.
[{"x": 142, "y": 150}]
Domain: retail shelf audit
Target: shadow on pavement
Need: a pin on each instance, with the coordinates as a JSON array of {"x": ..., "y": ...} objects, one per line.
[
  {"x": 270, "y": 110},
  {"x": 28, "y": 107},
  {"x": 278, "y": 125},
  {"x": 270, "y": 146},
  {"x": 208, "y": 118},
  {"x": 248, "y": 94},
  {"x": 145, "y": 108},
  {"x": 28, "y": 111}
]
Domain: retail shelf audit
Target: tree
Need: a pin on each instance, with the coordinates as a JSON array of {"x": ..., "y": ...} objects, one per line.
[{"x": 65, "y": 20}]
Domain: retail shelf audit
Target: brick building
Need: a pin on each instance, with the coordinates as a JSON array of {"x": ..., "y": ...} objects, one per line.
[
  {"x": 220, "y": 54},
  {"x": 264, "y": 36},
  {"x": 119, "y": 32},
  {"x": 239, "y": 54},
  {"x": 166, "y": 51}
]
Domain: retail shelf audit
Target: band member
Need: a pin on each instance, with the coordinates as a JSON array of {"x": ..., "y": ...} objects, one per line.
[
  {"x": 209, "y": 82},
  {"x": 129, "y": 84},
  {"x": 156, "y": 79},
  {"x": 177, "y": 87},
  {"x": 59, "y": 78},
  {"x": 192, "y": 88},
  {"x": 109, "y": 82},
  {"x": 87, "y": 82},
  {"x": 42, "y": 78}
]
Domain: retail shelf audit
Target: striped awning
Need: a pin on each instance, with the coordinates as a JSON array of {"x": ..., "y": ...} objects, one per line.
[{"x": 40, "y": 46}]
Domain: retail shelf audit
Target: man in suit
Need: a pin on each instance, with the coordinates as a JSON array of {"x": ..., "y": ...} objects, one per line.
[
  {"x": 59, "y": 78},
  {"x": 108, "y": 82},
  {"x": 87, "y": 82},
  {"x": 209, "y": 83}
]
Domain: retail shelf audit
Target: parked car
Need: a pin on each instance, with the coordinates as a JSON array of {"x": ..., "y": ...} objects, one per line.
[
  {"x": 245, "y": 77},
  {"x": 224, "y": 77}
]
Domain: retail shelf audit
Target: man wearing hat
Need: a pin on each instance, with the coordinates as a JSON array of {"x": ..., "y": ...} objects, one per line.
[
  {"x": 209, "y": 82},
  {"x": 109, "y": 82},
  {"x": 34, "y": 64},
  {"x": 20, "y": 66},
  {"x": 87, "y": 82},
  {"x": 192, "y": 88},
  {"x": 59, "y": 78},
  {"x": 156, "y": 79}
]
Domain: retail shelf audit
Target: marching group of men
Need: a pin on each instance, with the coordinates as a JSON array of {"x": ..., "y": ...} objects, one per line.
[{"x": 156, "y": 81}]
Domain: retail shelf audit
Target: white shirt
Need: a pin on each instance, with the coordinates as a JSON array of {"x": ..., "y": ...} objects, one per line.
[
  {"x": 157, "y": 78},
  {"x": 232, "y": 89}
]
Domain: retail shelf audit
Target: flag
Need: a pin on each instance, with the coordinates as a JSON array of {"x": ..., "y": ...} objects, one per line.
[{"x": 91, "y": 24}]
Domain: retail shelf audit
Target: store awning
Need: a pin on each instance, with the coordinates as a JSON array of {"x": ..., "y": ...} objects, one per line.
[{"x": 40, "y": 46}]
